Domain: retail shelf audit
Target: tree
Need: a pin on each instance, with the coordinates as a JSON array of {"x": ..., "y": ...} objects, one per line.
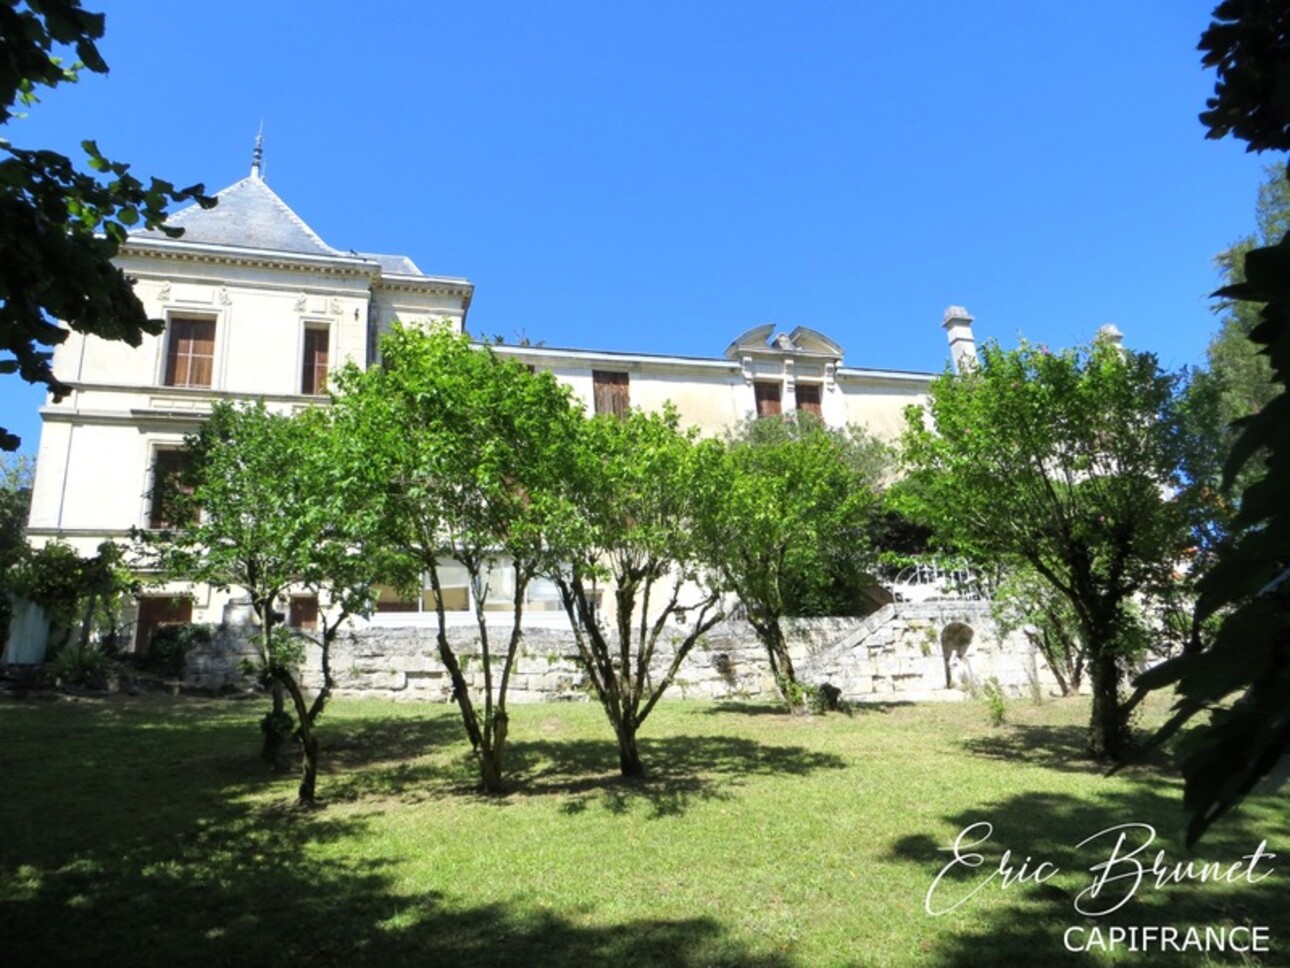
[
  {"x": 1241, "y": 374},
  {"x": 635, "y": 487},
  {"x": 791, "y": 531},
  {"x": 60, "y": 228},
  {"x": 267, "y": 507},
  {"x": 1072, "y": 464},
  {"x": 1243, "y": 679},
  {"x": 82, "y": 599},
  {"x": 1026, "y": 601},
  {"x": 15, "y": 503},
  {"x": 470, "y": 446}
]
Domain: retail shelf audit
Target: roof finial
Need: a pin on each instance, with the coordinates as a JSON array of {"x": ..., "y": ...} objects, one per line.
[{"x": 257, "y": 156}]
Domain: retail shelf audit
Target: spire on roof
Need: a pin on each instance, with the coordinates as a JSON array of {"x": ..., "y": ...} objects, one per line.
[{"x": 257, "y": 156}]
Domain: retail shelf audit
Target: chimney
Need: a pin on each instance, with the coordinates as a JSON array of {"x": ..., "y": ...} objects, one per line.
[
  {"x": 958, "y": 330},
  {"x": 1111, "y": 334}
]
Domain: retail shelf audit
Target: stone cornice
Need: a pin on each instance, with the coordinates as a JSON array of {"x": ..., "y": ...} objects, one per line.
[{"x": 350, "y": 267}]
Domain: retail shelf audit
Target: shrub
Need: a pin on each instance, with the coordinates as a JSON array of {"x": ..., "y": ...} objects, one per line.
[
  {"x": 169, "y": 648},
  {"x": 995, "y": 703},
  {"x": 82, "y": 667}
]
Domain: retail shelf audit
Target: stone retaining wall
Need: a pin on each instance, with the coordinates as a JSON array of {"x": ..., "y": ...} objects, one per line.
[{"x": 923, "y": 652}]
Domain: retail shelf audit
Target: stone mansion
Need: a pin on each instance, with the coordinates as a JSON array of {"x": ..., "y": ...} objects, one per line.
[{"x": 258, "y": 306}]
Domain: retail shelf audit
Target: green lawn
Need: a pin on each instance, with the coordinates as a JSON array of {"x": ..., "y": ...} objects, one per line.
[{"x": 145, "y": 831}]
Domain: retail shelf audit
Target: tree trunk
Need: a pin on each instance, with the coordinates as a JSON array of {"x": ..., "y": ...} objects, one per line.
[
  {"x": 629, "y": 758},
  {"x": 781, "y": 664},
  {"x": 309, "y": 778},
  {"x": 277, "y": 739},
  {"x": 1108, "y": 735},
  {"x": 491, "y": 753}
]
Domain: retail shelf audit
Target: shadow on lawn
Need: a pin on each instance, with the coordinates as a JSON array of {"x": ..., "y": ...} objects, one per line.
[
  {"x": 678, "y": 770},
  {"x": 1063, "y": 748},
  {"x": 741, "y": 708},
  {"x": 172, "y": 863},
  {"x": 1025, "y": 922}
]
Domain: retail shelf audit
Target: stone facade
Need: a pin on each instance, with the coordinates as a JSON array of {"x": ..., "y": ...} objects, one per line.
[{"x": 933, "y": 651}]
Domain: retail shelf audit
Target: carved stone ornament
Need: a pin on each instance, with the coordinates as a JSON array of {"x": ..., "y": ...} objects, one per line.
[
  {"x": 301, "y": 301},
  {"x": 163, "y": 294},
  {"x": 224, "y": 298},
  {"x": 334, "y": 307}
]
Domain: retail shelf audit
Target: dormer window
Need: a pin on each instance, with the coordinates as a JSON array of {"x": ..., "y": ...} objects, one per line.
[
  {"x": 768, "y": 398},
  {"x": 808, "y": 398}
]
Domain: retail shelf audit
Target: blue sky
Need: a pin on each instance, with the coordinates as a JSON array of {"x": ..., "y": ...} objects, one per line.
[{"x": 661, "y": 176}]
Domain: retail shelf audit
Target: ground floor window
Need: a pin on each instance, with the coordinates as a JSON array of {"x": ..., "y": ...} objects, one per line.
[{"x": 156, "y": 612}]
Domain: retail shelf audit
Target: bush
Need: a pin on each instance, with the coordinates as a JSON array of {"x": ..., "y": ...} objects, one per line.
[
  {"x": 169, "y": 648},
  {"x": 995, "y": 703},
  {"x": 82, "y": 667}
]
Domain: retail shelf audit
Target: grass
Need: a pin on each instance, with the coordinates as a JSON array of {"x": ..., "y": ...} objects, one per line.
[{"x": 144, "y": 831}]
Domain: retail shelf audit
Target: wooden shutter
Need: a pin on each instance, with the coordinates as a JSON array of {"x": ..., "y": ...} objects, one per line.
[
  {"x": 767, "y": 395},
  {"x": 168, "y": 483},
  {"x": 313, "y": 372},
  {"x": 158, "y": 611},
  {"x": 611, "y": 392},
  {"x": 190, "y": 353},
  {"x": 304, "y": 612},
  {"x": 808, "y": 398}
]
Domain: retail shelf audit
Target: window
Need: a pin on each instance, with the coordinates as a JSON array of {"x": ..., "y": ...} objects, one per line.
[
  {"x": 313, "y": 370},
  {"x": 156, "y": 612},
  {"x": 170, "y": 488},
  {"x": 190, "y": 352},
  {"x": 610, "y": 391},
  {"x": 808, "y": 398},
  {"x": 303, "y": 613},
  {"x": 767, "y": 395}
]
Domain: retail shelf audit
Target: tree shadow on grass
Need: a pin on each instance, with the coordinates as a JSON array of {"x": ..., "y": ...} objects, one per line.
[
  {"x": 1063, "y": 748},
  {"x": 743, "y": 707},
  {"x": 679, "y": 771},
  {"x": 727, "y": 707},
  {"x": 108, "y": 858},
  {"x": 1026, "y": 922}
]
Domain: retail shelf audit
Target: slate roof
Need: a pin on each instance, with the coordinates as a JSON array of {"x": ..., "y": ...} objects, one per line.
[
  {"x": 249, "y": 215},
  {"x": 394, "y": 264}
]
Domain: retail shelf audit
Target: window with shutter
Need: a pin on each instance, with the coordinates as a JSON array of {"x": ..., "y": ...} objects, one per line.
[
  {"x": 767, "y": 395},
  {"x": 303, "y": 613},
  {"x": 611, "y": 392},
  {"x": 156, "y": 612},
  {"x": 313, "y": 371},
  {"x": 169, "y": 470},
  {"x": 808, "y": 398},
  {"x": 190, "y": 352}
]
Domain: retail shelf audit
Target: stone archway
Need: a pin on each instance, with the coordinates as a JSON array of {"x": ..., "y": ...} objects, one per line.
[{"x": 956, "y": 639}]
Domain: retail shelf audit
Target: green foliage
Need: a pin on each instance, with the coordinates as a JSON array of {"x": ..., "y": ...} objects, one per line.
[
  {"x": 1025, "y": 601},
  {"x": 1236, "y": 371},
  {"x": 635, "y": 489},
  {"x": 82, "y": 667},
  {"x": 271, "y": 503},
  {"x": 80, "y": 596},
  {"x": 790, "y": 529},
  {"x": 277, "y": 723},
  {"x": 15, "y": 502},
  {"x": 61, "y": 227},
  {"x": 996, "y": 703},
  {"x": 1243, "y": 678},
  {"x": 168, "y": 651},
  {"x": 805, "y": 500},
  {"x": 1077, "y": 465},
  {"x": 469, "y": 448},
  {"x": 1246, "y": 44}
]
